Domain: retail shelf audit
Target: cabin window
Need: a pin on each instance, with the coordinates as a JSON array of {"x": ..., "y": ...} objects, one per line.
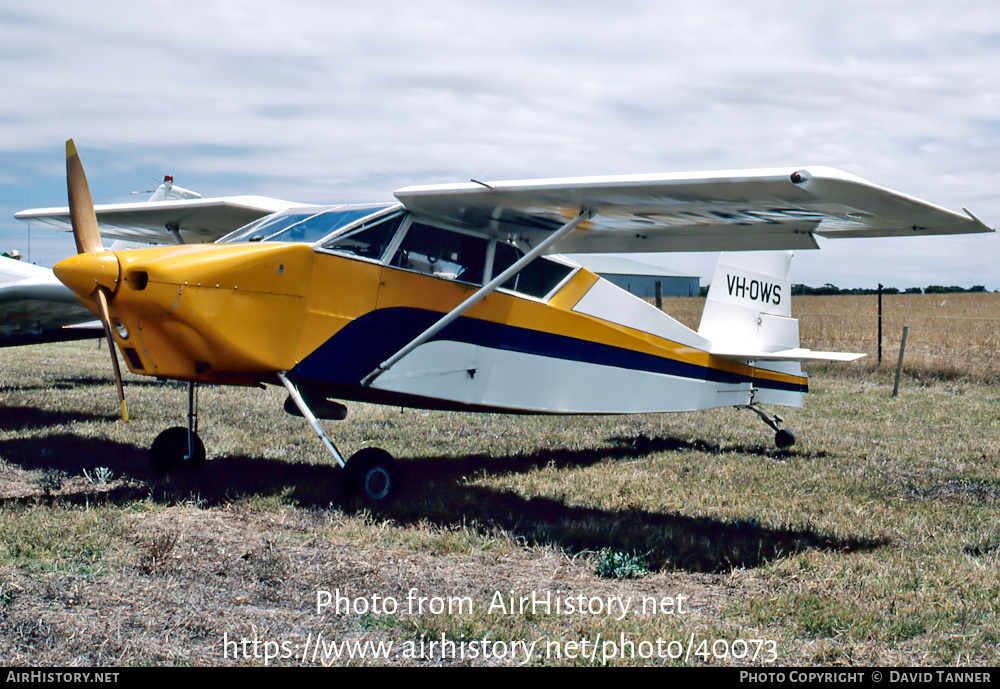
[
  {"x": 442, "y": 253},
  {"x": 370, "y": 240},
  {"x": 536, "y": 279},
  {"x": 305, "y": 224},
  {"x": 267, "y": 226}
]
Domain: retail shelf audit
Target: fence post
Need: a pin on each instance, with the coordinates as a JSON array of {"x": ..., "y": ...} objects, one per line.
[
  {"x": 880, "y": 324},
  {"x": 659, "y": 294},
  {"x": 899, "y": 366}
]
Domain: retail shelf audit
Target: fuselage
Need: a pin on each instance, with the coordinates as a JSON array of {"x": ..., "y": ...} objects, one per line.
[{"x": 557, "y": 340}]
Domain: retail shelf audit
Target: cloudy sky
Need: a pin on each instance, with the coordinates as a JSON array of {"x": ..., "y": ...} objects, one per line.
[{"x": 347, "y": 101}]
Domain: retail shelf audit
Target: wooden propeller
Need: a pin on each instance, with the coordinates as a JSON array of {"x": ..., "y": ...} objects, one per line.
[{"x": 88, "y": 239}]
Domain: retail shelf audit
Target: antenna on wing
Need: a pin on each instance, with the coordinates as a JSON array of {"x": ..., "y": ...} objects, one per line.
[{"x": 88, "y": 240}]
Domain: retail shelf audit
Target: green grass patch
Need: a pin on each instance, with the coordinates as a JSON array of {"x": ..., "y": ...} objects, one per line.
[{"x": 42, "y": 537}]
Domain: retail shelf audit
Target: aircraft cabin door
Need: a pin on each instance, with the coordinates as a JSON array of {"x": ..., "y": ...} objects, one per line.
[{"x": 431, "y": 271}]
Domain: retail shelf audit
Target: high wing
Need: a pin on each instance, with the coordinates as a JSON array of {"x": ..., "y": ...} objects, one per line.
[
  {"x": 35, "y": 307},
  {"x": 708, "y": 211},
  {"x": 182, "y": 221}
]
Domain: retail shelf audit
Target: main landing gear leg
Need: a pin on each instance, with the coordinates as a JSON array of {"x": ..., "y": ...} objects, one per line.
[
  {"x": 782, "y": 438},
  {"x": 180, "y": 448},
  {"x": 371, "y": 472}
]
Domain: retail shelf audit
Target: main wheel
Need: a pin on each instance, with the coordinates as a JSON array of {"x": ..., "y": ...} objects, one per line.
[
  {"x": 372, "y": 476},
  {"x": 784, "y": 439},
  {"x": 170, "y": 448}
]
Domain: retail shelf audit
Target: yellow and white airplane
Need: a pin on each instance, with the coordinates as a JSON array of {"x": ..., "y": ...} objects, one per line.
[{"x": 453, "y": 298}]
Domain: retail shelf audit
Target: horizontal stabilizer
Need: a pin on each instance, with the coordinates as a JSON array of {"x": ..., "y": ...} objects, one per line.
[{"x": 795, "y": 354}]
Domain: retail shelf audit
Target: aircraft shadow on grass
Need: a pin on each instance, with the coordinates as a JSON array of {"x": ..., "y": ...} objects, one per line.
[
  {"x": 22, "y": 418},
  {"x": 436, "y": 492},
  {"x": 77, "y": 382}
]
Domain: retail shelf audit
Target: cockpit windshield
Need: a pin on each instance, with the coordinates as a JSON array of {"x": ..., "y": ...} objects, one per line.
[{"x": 307, "y": 224}]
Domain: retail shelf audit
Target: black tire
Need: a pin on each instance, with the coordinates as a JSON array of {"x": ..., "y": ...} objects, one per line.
[
  {"x": 372, "y": 476},
  {"x": 784, "y": 439},
  {"x": 169, "y": 449}
]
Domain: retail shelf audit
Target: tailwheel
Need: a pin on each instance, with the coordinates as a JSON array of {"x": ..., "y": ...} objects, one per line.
[
  {"x": 784, "y": 439},
  {"x": 373, "y": 476},
  {"x": 170, "y": 453}
]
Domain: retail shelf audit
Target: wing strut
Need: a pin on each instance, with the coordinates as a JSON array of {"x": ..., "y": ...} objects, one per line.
[
  {"x": 479, "y": 295},
  {"x": 310, "y": 417}
]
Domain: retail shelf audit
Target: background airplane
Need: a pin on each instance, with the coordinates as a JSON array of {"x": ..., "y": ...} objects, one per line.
[
  {"x": 35, "y": 307},
  {"x": 450, "y": 298}
]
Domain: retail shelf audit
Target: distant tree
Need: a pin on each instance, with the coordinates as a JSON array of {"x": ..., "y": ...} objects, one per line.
[
  {"x": 831, "y": 289},
  {"x": 940, "y": 289}
]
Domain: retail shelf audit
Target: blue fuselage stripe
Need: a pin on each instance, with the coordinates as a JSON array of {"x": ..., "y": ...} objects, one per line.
[{"x": 367, "y": 341}]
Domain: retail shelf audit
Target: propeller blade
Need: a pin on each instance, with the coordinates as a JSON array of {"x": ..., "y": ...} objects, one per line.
[
  {"x": 88, "y": 239},
  {"x": 102, "y": 307},
  {"x": 81, "y": 204}
]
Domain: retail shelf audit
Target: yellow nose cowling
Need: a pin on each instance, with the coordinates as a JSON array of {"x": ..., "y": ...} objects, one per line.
[
  {"x": 84, "y": 272},
  {"x": 225, "y": 314}
]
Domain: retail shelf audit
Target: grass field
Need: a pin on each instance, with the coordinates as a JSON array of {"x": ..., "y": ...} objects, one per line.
[{"x": 875, "y": 541}]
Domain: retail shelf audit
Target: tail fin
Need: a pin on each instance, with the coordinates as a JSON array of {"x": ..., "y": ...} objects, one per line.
[
  {"x": 748, "y": 314},
  {"x": 749, "y": 305}
]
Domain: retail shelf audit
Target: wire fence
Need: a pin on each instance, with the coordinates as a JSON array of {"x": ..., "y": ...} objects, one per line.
[
  {"x": 948, "y": 335},
  {"x": 942, "y": 345}
]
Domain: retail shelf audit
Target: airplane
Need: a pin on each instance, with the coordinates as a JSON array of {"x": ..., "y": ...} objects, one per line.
[
  {"x": 35, "y": 307},
  {"x": 455, "y": 297}
]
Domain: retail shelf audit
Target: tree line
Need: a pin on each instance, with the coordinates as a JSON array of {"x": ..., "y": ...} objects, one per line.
[
  {"x": 829, "y": 289},
  {"x": 931, "y": 289}
]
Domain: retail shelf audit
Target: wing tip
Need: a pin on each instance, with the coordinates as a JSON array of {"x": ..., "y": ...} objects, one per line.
[{"x": 981, "y": 226}]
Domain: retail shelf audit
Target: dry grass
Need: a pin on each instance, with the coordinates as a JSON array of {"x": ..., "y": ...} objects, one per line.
[{"x": 873, "y": 542}]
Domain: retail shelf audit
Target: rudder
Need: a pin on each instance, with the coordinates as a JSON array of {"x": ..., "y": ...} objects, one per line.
[{"x": 749, "y": 304}]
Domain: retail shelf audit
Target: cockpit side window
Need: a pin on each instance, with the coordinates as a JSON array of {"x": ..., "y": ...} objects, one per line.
[
  {"x": 442, "y": 253},
  {"x": 368, "y": 241},
  {"x": 536, "y": 279}
]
